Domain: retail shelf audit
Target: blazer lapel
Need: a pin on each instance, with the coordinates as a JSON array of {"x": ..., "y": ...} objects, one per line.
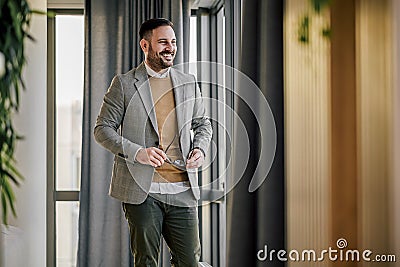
[
  {"x": 143, "y": 88},
  {"x": 179, "y": 94}
]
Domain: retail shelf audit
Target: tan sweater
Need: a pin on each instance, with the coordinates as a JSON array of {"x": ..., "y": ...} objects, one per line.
[{"x": 164, "y": 103}]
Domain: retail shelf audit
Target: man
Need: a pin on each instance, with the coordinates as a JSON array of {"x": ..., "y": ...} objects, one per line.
[{"x": 146, "y": 120}]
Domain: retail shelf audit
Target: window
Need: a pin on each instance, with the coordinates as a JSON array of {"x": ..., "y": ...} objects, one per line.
[
  {"x": 207, "y": 43},
  {"x": 65, "y": 99},
  {"x": 69, "y": 55}
]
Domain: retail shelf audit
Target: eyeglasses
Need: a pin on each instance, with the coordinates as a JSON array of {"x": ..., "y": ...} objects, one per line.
[{"x": 178, "y": 163}]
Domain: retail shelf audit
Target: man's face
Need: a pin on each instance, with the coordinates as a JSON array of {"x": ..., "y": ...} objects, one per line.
[{"x": 161, "y": 49}]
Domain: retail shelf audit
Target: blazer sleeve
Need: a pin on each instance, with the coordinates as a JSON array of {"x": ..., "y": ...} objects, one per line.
[
  {"x": 108, "y": 121},
  {"x": 200, "y": 125}
]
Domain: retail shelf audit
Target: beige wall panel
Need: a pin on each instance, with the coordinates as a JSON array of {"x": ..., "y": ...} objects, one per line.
[
  {"x": 375, "y": 122},
  {"x": 307, "y": 142}
]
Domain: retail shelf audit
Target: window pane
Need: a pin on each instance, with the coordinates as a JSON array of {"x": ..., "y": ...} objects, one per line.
[
  {"x": 67, "y": 233},
  {"x": 193, "y": 45},
  {"x": 69, "y": 99}
]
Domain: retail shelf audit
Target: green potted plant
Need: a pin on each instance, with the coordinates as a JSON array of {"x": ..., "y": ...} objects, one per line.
[{"x": 15, "y": 16}]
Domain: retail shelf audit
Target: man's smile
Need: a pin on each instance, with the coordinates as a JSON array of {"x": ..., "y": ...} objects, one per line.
[{"x": 167, "y": 55}]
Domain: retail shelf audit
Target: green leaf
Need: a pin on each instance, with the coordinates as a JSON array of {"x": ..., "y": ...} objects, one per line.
[
  {"x": 10, "y": 166},
  {"x": 10, "y": 197},
  {"x": 4, "y": 207},
  {"x": 9, "y": 175},
  {"x": 327, "y": 32},
  {"x": 318, "y": 5},
  {"x": 49, "y": 14},
  {"x": 304, "y": 30}
]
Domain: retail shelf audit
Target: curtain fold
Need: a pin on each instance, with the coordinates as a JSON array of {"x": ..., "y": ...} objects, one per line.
[
  {"x": 111, "y": 47},
  {"x": 258, "y": 219}
]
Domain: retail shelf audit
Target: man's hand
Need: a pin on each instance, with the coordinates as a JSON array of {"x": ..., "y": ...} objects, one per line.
[
  {"x": 151, "y": 156},
  {"x": 195, "y": 160}
]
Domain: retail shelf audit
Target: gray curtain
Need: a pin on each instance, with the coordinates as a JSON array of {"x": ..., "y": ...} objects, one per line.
[
  {"x": 111, "y": 47},
  {"x": 257, "y": 219}
]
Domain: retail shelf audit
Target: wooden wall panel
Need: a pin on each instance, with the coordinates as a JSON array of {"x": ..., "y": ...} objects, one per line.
[
  {"x": 395, "y": 181},
  {"x": 344, "y": 126}
]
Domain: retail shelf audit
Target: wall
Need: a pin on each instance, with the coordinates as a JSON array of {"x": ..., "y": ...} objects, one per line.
[
  {"x": 31, "y": 152},
  {"x": 375, "y": 125},
  {"x": 342, "y": 129},
  {"x": 395, "y": 185}
]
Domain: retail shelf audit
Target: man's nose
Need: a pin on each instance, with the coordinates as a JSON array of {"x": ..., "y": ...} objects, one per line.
[{"x": 170, "y": 46}]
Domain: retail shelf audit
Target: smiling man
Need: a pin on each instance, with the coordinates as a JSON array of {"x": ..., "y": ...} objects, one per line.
[{"x": 146, "y": 121}]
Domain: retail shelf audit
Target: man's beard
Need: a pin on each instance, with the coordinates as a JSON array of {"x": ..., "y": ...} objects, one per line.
[{"x": 156, "y": 61}]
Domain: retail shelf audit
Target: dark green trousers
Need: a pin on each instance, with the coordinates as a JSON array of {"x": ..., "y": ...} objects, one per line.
[{"x": 178, "y": 225}]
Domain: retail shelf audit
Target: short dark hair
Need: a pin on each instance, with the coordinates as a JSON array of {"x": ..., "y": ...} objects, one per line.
[{"x": 149, "y": 25}]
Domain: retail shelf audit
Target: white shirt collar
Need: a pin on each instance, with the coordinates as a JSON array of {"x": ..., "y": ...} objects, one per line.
[{"x": 162, "y": 74}]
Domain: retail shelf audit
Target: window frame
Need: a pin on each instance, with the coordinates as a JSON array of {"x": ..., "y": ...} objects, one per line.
[
  {"x": 211, "y": 28},
  {"x": 54, "y": 195}
]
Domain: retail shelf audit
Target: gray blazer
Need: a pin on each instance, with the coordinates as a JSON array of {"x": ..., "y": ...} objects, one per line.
[{"x": 127, "y": 122}]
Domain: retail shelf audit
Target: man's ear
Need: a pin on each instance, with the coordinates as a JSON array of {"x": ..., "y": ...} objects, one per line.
[{"x": 144, "y": 44}]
